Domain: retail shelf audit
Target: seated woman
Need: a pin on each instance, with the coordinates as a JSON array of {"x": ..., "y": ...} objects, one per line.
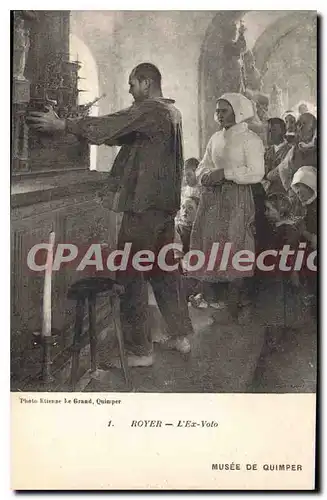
[
  {"x": 233, "y": 161},
  {"x": 304, "y": 185},
  {"x": 283, "y": 225},
  {"x": 303, "y": 153},
  {"x": 279, "y": 288}
]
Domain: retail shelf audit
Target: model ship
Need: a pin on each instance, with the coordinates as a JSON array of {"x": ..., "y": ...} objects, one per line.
[{"x": 59, "y": 89}]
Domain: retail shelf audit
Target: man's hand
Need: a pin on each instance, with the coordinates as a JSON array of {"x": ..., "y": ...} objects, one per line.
[{"x": 45, "y": 122}]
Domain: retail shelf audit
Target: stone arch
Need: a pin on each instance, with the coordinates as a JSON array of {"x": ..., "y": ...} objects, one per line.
[
  {"x": 268, "y": 42},
  {"x": 276, "y": 28},
  {"x": 89, "y": 81},
  {"x": 292, "y": 40},
  {"x": 209, "y": 89}
]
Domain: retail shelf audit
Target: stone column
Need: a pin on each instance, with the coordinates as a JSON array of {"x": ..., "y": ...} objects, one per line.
[{"x": 20, "y": 90}]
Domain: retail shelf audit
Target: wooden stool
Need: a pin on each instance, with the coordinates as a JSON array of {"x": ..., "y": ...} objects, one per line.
[{"x": 88, "y": 289}]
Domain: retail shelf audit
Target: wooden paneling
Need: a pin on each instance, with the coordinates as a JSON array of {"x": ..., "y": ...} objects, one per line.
[{"x": 78, "y": 219}]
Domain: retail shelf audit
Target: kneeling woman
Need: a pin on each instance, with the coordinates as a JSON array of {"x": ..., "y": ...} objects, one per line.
[{"x": 233, "y": 161}]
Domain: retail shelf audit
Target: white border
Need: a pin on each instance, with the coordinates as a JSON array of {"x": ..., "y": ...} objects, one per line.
[{"x": 5, "y": 178}]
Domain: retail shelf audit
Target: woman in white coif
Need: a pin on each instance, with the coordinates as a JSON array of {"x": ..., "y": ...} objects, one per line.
[{"x": 233, "y": 161}]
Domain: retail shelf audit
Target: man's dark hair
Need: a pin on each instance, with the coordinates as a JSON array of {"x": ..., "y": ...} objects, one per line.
[
  {"x": 149, "y": 71},
  {"x": 280, "y": 122}
]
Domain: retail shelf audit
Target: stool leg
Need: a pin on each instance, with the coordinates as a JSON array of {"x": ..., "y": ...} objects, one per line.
[
  {"x": 92, "y": 331},
  {"x": 77, "y": 340},
  {"x": 115, "y": 302}
]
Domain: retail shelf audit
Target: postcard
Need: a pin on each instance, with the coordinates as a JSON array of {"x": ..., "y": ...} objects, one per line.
[{"x": 164, "y": 250}]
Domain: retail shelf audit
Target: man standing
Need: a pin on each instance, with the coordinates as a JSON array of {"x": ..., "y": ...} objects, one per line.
[
  {"x": 275, "y": 153},
  {"x": 146, "y": 179}
]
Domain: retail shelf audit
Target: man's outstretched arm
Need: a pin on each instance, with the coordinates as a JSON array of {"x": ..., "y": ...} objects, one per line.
[{"x": 109, "y": 129}]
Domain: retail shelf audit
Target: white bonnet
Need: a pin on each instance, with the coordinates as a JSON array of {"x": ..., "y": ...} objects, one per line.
[
  {"x": 242, "y": 106},
  {"x": 306, "y": 175}
]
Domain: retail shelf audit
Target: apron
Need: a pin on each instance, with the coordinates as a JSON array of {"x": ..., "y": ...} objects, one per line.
[{"x": 226, "y": 215}]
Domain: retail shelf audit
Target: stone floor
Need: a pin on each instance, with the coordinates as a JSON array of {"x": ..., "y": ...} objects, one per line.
[{"x": 228, "y": 357}]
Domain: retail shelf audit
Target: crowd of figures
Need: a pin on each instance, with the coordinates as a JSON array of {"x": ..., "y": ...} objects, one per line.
[{"x": 256, "y": 189}]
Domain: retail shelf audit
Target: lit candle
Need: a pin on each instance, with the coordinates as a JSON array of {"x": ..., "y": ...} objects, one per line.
[{"x": 46, "y": 319}]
